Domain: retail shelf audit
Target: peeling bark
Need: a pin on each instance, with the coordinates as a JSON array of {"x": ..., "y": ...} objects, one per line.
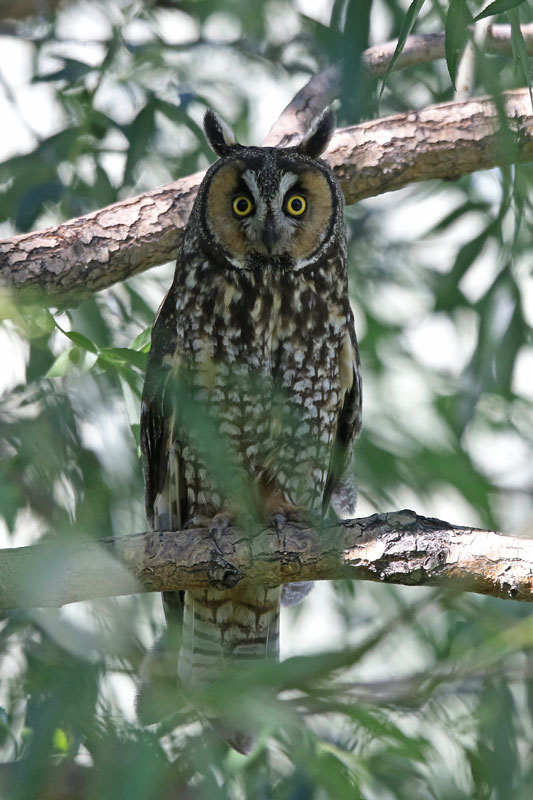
[
  {"x": 398, "y": 547},
  {"x": 82, "y": 256},
  {"x": 444, "y": 141},
  {"x": 64, "y": 264}
]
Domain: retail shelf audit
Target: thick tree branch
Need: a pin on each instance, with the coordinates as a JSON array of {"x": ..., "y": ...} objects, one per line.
[
  {"x": 398, "y": 547},
  {"x": 106, "y": 246},
  {"x": 95, "y": 251},
  {"x": 443, "y": 141},
  {"x": 75, "y": 259}
]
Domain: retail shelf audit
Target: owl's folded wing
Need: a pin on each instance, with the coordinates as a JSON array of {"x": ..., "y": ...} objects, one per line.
[
  {"x": 164, "y": 485},
  {"x": 350, "y": 416}
]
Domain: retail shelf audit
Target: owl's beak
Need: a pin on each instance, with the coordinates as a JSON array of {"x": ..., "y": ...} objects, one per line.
[{"x": 270, "y": 233}]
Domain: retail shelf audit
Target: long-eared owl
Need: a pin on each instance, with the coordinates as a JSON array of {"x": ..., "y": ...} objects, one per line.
[{"x": 253, "y": 392}]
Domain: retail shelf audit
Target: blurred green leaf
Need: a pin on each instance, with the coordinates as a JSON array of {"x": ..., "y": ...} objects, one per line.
[
  {"x": 520, "y": 53},
  {"x": 457, "y": 34},
  {"x": 123, "y": 355},
  {"x": 140, "y": 134},
  {"x": 81, "y": 341},
  {"x": 447, "y": 292},
  {"x": 407, "y": 26},
  {"x": 498, "y": 7},
  {"x": 142, "y": 340},
  {"x": 71, "y": 71},
  {"x": 64, "y": 363},
  {"x": 60, "y": 740}
]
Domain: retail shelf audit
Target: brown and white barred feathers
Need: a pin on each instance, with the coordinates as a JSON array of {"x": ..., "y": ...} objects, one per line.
[{"x": 253, "y": 393}]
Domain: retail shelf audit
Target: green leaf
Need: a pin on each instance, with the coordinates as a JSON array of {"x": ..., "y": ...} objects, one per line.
[
  {"x": 456, "y": 214},
  {"x": 457, "y": 33},
  {"x": 64, "y": 363},
  {"x": 139, "y": 134},
  {"x": 60, "y": 740},
  {"x": 521, "y": 58},
  {"x": 122, "y": 355},
  {"x": 71, "y": 71},
  {"x": 327, "y": 36},
  {"x": 31, "y": 320},
  {"x": 498, "y": 7},
  {"x": 407, "y": 26},
  {"x": 143, "y": 339},
  {"x": 178, "y": 115},
  {"x": 11, "y": 501},
  {"x": 136, "y": 431},
  {"x": 81, "y": 341},
  {"x": 32, "y": 202},
  {"x": 447, "y": 293}
]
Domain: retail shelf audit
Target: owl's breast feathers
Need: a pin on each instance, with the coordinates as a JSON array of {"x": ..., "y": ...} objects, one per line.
[{"x": 273, "y": 357}]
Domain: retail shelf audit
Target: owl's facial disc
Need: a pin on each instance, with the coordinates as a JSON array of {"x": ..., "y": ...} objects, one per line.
[
  {"x": 269, "y": 229},
  {"x": 262, "y": 213}
]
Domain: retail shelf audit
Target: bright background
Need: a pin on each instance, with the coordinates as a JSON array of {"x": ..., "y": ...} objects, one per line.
[{"x": 105, "y": 101}]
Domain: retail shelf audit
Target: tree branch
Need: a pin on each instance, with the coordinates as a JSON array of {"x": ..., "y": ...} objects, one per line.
[
  {"x": 63, "y": 265},
  {"x": 398, "y": 547},
  {"x": 92, "y": 252},
  {"x": 423, "y": 48},
  {"x": 97, "y": 250},
  {"x": 323, "y": 88}
]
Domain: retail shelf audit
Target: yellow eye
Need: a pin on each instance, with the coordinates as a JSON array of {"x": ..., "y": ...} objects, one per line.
[
  {"x": 242, "y": 205},
  {"x": 296, "y": 205}
]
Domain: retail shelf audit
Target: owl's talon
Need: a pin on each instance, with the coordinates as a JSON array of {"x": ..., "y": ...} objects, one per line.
[
  {"x": 279, "y": 520},
  {"x": 222, "y": 574},
  {"x": 218, "y": 525}
]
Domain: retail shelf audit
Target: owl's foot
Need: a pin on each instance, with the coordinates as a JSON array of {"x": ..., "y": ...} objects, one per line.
[
  {"x": 222, "y": 574},
  {"x": 287, "y": 512},
  {"x": 218, "y": 525},
  {"x": 291, "y": 593},
  {"x": 281, "y": 515},
  {"x": 284, "y": 512}
]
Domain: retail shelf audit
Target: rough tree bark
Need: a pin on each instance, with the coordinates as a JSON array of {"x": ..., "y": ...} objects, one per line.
[
  {"x": 64, "y": 264},
  {"x": 399, "y": 547}
]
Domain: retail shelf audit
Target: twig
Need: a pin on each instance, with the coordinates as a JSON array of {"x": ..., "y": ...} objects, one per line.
[{"x": 466, "y": 70}]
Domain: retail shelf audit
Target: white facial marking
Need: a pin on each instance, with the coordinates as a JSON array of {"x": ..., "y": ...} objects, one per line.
[{"x": 288, "y": 179}]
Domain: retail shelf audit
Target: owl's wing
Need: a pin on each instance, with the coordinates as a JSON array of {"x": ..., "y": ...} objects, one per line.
[
  {"x": 165, "y": 496},
  {"x": 350, "y": 416},
  {"x": 165, "y": 492}
]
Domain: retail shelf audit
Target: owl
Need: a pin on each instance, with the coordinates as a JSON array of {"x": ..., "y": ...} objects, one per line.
[{"x": 253, "y": 391}]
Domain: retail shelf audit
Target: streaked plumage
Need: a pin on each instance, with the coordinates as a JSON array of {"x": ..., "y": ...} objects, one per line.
[{"x": 253, "y": 393}]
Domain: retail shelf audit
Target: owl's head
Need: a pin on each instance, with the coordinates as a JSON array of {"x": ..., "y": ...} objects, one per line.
[{"x": 265, "y": 205}]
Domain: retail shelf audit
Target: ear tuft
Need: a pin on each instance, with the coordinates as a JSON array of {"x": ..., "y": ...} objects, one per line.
[
  {"x": 218, "y": 133},
  {"x": 319, "y": 134}
]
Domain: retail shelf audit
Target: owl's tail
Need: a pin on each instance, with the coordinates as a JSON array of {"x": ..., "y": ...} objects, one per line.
[{"x": 223, "y": 629}]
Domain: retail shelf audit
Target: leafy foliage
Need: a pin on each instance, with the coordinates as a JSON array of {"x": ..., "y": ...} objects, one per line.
[
  {"x": 387, "y": 692},
  {"x": 458, "y": 20}
]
